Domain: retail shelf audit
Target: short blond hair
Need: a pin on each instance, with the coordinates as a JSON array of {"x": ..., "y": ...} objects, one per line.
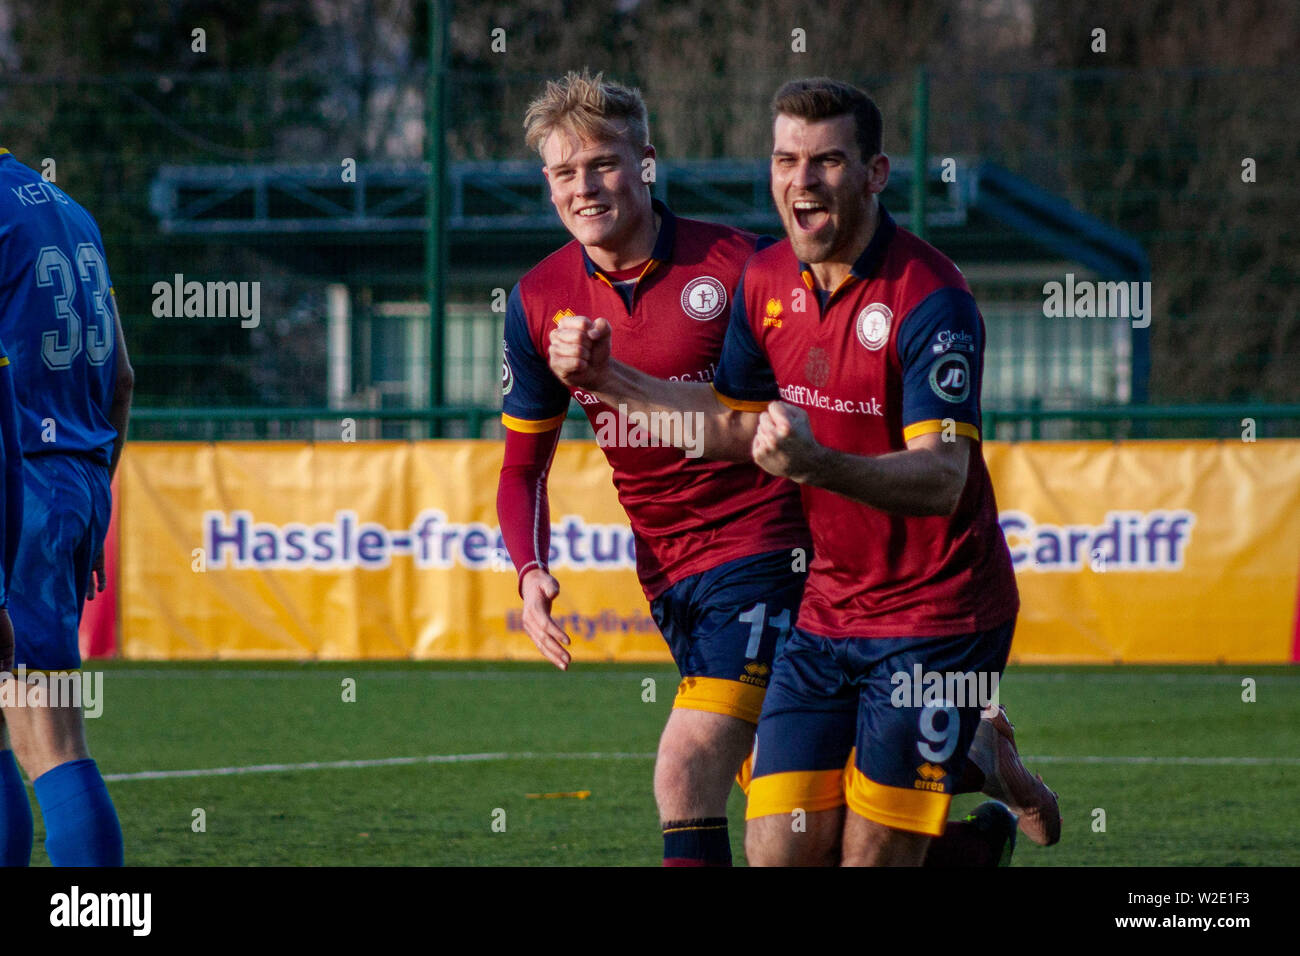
[{"x": 590, "y": 107}]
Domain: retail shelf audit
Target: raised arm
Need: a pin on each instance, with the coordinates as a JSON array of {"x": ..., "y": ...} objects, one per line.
[
  {"x": 926, "y": 479},
  {"x": 941, "y": 354},
  {"x": 580, "y": 357}
]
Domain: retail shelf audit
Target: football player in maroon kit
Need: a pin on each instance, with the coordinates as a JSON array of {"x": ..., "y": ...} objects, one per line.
[
  {"x": 721, "y": 547},
  {"x": 852, "y": 365}
]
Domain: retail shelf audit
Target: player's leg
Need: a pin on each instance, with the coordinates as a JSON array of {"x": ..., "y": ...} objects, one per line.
[
  {"x": 65, "y": 509},
  {"x": 724, "y": 627},
  {"x": 993, "y": 766},
  {"x": 50, "y": 744},
  {"x": 690, "y": 768},
  {"x": 44, "y": 734},
  {"x": 985, "y": 837},
  {"x": 795, "y": 812},
  {"x": 699, "y": 754},
  {"x": 1006, "y": 778},
  {"x": 792, "y": 839},
  {"x": 16, "y": 823},
  {"x": 908, "y": 758},
  {"x": 868, "y": 843}
]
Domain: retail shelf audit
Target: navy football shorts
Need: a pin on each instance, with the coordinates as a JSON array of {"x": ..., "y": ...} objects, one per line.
[
  {"x": 725, "y": 627},
  {"x": 880, "y": 724},
  {"x": 67, "y": 502}
]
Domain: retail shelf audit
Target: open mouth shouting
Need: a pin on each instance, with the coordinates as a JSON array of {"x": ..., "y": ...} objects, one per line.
[{"x": 810, "y": 215}]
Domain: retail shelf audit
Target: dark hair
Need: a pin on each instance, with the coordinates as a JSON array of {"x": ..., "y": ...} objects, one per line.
[{"x": 820, "y": 98}]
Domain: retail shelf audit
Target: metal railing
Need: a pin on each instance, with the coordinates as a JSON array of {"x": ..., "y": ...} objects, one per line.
[{"x": 1240, "y": 421}]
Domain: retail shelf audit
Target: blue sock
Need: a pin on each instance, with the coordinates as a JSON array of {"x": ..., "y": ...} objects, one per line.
[
  {"x": 15, "y": 814},
  {"x": 81, "y": 827}
]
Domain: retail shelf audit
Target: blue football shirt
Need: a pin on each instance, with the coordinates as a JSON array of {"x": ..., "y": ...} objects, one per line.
[{"x": 56, "y": 316}]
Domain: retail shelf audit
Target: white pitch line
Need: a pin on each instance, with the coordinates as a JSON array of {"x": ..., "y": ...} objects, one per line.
[
  {"x": 1233, "y": 675},
  {"x": 615, "y": 755},
  {"x": 359, "y": 764}
]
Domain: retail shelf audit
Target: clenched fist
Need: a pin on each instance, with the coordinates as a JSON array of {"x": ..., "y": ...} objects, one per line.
[
  {"x": 579, "y": 353},
  {"x": 783, "y": 444}
]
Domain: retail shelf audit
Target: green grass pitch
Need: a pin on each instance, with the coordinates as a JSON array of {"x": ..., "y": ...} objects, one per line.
[{"x": 540, "y": 731}]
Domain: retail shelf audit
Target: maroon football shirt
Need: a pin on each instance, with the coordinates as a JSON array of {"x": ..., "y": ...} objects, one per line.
[
  {"x": 896, "y": 351},
  {"x": 689, "y": 514}
]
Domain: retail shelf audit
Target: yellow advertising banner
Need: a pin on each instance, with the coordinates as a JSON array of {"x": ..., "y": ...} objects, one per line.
[
  {"x": 1145, "y": 551},
  {"x": 1155, "y": 551}
]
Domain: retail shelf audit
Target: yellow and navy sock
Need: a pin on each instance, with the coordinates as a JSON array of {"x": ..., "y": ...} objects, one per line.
[
  {"x": 15, "y": 814},
  {"x": 81, "y": 826},
  {"x": 702, "y": 842}
]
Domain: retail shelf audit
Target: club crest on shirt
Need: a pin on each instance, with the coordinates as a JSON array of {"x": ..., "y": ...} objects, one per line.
[
  {"x": 818, "y": 369},
  {"x": 873, "y": 326},
  {"x": 704, "y": 298},
  {"x": 562, "y": 314}
]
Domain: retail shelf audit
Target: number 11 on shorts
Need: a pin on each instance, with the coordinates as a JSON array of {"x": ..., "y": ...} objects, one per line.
[{"x": 755, "y": 617}]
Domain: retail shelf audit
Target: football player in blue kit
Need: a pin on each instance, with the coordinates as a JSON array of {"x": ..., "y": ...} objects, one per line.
[{"x": 73, "y": 383}]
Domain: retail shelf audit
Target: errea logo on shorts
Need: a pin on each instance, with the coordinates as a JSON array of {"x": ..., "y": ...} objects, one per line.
[
  {"x": 873, "y": 326},
  {"x": 704, "y": 298}
]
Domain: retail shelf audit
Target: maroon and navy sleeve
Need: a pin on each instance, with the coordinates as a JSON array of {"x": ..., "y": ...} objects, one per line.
[
  {"x": 523, "y": 507},
  {"x": 744, "y": 380},
  {"x": 533, "y": 406},
  {"x": 941, "y": 351},
  {"x": 533, "y": 400}
]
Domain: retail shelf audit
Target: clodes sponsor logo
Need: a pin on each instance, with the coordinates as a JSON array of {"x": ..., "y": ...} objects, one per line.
[
  {"x": 704, "y": 298},
  {"x": 562, "y": 314},
  {"x": 873, "y": 326},
  {"x": 772, "y": 313},
  {"x": 949, "y": 340}
]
